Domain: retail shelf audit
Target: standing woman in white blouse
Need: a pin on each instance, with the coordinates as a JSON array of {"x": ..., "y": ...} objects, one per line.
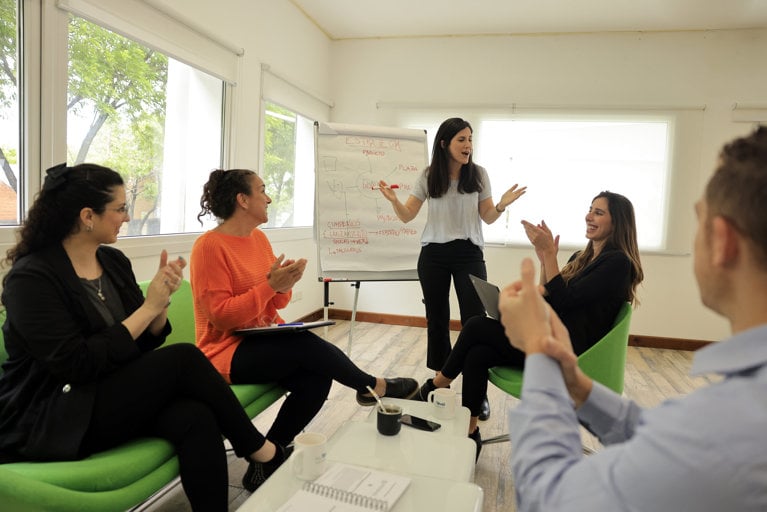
[{"x": 459, "y": 197}]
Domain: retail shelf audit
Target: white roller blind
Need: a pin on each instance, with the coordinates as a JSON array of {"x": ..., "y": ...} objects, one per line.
[
  {"x": 283, "y": 91},
  {"x": 143, "y": 23}
]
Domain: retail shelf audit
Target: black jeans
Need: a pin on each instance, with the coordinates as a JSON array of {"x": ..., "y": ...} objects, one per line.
[
  {"x": 437, "y": 264},
  {"x": 481, "y": 345},
  {"x": 176, "y": 394},
  {"x": 304, "y": 364}
]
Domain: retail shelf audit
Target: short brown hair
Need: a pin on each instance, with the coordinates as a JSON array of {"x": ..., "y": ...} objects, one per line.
[{"x": 737, "y": 190}]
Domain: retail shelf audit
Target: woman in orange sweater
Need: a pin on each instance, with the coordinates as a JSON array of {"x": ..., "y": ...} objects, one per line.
[{"x": 238, "y": 282}]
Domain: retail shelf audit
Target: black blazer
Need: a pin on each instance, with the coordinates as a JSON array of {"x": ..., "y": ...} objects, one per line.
[
  {"x": 59, "y": 347},
  {"x": 590, "y": 301}
]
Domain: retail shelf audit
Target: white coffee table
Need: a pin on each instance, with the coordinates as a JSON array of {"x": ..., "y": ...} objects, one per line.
[{"x": 440, "y": 464}]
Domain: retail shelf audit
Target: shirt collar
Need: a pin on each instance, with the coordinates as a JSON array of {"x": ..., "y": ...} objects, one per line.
[{"x": 743, "y": 351}]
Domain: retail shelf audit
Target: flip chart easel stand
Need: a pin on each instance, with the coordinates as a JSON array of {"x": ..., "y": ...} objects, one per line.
[{"x": 356, "y": 284}]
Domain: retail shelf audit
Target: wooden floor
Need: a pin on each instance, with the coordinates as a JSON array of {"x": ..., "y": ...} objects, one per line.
[{"x": 392, "y": 350}]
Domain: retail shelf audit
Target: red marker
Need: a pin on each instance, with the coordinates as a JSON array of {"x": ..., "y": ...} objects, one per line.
[{"x": 379, "y": 188}]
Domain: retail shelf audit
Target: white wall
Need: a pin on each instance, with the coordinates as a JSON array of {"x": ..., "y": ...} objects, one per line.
[{"x": 715, "y": 69}]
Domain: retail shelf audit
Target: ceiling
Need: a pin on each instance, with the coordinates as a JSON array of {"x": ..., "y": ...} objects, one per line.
[{"x": 364, "y": 19}]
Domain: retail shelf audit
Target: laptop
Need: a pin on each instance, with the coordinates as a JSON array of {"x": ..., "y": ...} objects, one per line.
[{"x": 488, "y": 294}]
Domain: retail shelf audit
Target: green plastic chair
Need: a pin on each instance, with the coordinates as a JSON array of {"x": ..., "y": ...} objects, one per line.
[{"x": 605, "y": 362}]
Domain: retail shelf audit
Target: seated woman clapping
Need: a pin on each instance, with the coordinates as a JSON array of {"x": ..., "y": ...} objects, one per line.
[{"x": 586, "y": 293}]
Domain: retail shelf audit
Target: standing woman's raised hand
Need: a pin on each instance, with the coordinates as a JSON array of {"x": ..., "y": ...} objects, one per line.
[
  {"x": 511, "y": 195},
  {"x": 387, "y": 191}
]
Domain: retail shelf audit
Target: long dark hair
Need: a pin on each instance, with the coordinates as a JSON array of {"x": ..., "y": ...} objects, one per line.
[
  {"x": 219, "y": 194},
  {"x": 56, "y": 211},
  {"x": 438, "y": 177},
  {"x": 623, "y": 237}
]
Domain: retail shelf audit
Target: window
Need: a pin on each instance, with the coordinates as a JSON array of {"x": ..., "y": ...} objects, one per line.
[
  {"x": 565, "y": 160},
  {"x": 288, "y": 169},
  {"x": 9, "y": 114},
  {"x": 154, "y": 119},
  {"x": 565, "y": 163}
]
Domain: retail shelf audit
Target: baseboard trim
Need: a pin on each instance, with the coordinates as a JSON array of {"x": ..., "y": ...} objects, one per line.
[{"x": 455, "y": 325}]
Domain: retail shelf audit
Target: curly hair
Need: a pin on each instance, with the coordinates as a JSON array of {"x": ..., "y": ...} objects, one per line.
[{"x": 219, "y": 194}]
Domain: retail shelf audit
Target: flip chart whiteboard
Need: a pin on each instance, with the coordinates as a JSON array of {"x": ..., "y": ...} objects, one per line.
[{"x": 358, "y": 235}]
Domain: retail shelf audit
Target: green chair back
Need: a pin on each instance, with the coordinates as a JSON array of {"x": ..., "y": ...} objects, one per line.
[
  {"x": 605, "y": 361},
  {"x": 180, "y": 313}
]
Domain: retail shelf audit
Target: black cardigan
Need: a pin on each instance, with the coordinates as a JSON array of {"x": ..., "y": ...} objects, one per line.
[
  {"x": 59, "y": 347},
  {"x": 590, "y": 301}
]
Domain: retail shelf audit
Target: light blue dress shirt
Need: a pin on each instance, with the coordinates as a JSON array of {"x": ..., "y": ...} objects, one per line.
[{"x": 706, "y": 451}]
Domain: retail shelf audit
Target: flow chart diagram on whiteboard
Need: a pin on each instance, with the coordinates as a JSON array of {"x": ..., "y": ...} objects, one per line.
[{"x": 358, "y": 234}]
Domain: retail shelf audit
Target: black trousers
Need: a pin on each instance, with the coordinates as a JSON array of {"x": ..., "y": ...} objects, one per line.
[
  {"x": 481, "y": 345},
  {"x": 176, "y": 394},
  {"x": 304, "y": 364},
  {"x": 437, "y": 265}
]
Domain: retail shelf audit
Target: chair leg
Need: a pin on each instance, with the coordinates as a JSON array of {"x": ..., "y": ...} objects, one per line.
[{"x": 503, "y": 438}]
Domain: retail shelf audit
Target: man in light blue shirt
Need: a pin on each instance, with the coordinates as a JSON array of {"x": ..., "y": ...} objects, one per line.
[{"x": 703, "y": 452}]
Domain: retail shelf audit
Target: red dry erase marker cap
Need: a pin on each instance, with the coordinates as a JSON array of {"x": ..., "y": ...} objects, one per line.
[{"x": 394, "y": 186}]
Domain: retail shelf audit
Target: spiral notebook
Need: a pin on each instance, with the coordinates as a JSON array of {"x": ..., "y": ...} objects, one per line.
[{"x": 348, "y": 488}]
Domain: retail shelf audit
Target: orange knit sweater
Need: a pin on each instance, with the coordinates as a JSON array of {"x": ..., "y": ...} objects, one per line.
[{"x": 228, "y": 275}]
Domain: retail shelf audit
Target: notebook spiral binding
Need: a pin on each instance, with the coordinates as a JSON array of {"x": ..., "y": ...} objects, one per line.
[{"x": 346, "y": 496}]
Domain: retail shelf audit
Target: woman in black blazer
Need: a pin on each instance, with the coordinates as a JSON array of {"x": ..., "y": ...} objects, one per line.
[
  {"x": 83, "y": 374},
  {"x": 586, "y": 293}
]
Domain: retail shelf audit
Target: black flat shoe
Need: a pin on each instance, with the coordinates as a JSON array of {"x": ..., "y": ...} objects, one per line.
[
  {"x": 258, "y": 472},
  {"x": 484, "y": 409},
  {"x": 401, "y": 387},
  {"x": 423, "y": 392}
]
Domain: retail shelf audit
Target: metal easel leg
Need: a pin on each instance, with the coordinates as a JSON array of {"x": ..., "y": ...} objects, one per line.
[{"x": 354, "y": 315}]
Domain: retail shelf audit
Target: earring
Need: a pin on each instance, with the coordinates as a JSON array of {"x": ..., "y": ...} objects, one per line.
[{"x": 88, "y": 228}]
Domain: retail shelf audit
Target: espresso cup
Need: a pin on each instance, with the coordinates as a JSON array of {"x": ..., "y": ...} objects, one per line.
[
  {"x": 443, "y": 402},
  {"x": 310, "y": 452},
  {"x": 388, "y": 419}
]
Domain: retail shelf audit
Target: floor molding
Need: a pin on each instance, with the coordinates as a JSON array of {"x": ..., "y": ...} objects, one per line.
[{"x": 635, "y": 340}]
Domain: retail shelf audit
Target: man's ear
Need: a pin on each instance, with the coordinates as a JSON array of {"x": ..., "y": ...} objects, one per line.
[{"x": 725, "y": 241}]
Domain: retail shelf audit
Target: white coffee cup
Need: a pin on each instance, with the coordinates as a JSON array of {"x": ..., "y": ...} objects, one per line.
[
  {"x": 443, "y": 401},
  {"x": 309, "y": 455}
]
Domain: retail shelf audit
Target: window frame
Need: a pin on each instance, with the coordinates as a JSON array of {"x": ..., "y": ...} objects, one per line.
[{"x": 43, "y": 96}]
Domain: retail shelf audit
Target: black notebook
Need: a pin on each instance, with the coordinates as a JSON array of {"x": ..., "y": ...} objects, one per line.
[{"x": 287, "y": 327}]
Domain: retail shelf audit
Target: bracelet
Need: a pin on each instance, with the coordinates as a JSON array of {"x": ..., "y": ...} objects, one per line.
[{"x": 499, "y": 211}]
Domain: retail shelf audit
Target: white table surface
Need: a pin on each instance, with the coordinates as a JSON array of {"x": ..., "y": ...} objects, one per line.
[
  {"x": 440, "y": 464},
  {"x": 422, "y": 495}
]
